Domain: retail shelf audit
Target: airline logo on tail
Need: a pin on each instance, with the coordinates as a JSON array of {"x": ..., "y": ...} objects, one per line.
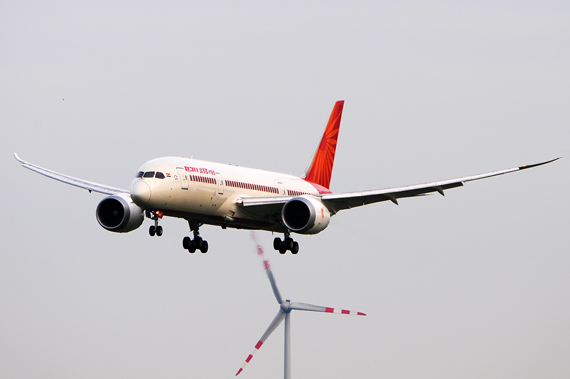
[{"x": 320, "y": 169}]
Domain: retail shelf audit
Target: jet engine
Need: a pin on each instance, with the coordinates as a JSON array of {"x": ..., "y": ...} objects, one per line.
[
  {"x": 118, "y": 213},
  {"x": 305, "y": 215}
]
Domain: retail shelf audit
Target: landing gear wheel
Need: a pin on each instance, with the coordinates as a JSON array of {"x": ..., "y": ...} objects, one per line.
[
  {"x": 277, "y": 243},
  {"x": 295, "y": 248},
  {"x": 286, "y": 244},
  {"x": 154, "y": 229},
  {"x": 198, "y": 242}
]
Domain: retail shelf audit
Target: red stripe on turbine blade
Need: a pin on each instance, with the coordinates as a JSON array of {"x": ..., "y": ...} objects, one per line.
[
  {"x": 258, "y": 345},
  {"x": 266, "y": 265},
  {"x": 361, "y": 314},
  {"x": 240, "y": 370},
  {"x": 345, "y": 312},
  {"x": 330, "y": 310},
  {"x": 249, "y": 358}
]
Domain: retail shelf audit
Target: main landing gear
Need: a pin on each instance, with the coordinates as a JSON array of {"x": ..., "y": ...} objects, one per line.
[
  {"x": 197, "y": 243},
  {"x": 154, "y": 229},
  {"x": 286, "y": 244}
]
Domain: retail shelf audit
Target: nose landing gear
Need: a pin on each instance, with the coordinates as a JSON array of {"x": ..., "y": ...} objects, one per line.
[
  {"x": 286, "y": 244},
  {"x": 197, "y": 243},
  {"x": 154, "y": 229}
]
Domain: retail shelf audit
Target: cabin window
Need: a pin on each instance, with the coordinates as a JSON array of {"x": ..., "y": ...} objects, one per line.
[{"x": 148, "y": 174}]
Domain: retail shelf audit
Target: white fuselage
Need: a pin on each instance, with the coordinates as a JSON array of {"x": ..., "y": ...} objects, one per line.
[{"x": 207, "y": 191}]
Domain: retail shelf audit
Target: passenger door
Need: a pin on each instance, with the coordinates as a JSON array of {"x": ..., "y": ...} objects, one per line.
[
  {"x": 221, "y": 184},
  {"x": 183, "y": 178}
]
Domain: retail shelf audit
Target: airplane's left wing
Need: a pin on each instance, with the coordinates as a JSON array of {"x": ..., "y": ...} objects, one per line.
[
  {"x": 337, "y": 202},
  {"x": 90, "y": 186}
]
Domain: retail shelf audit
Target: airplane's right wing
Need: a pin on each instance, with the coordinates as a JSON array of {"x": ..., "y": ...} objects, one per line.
[
  {"x": 337, "y": 202},
  {"x": 90, "y": 186}
]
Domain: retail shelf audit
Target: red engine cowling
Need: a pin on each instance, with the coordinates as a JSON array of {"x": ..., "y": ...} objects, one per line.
[
  {"x": 118, "y": 213},
  {"x": 305, "y": 215}
]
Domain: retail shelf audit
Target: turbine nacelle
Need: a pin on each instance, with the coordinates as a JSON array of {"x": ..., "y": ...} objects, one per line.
[{"x": 286, "y": 306}]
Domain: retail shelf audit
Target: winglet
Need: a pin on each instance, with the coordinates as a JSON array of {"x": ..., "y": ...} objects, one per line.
[
  {"x": 18, "y": 159},
  {"x": 537, "y": 164},
  {"x": 320, "y": 168}
]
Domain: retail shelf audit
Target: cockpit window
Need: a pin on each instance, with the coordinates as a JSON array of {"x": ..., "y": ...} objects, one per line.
[
  {"x": 140, "y": 174},
  {"x": 159, "y": 175},
  {"x": 148, "y": 174}
]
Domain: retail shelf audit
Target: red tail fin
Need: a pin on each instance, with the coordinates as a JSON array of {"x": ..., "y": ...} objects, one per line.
[{"x": 320, "y": 168}]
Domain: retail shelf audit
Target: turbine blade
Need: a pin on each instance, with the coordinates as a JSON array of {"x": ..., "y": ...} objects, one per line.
[
  {"x": 274, "y": 324},
  {"x": 267, "y": 267},
  {"x": 318, "y": 308}
]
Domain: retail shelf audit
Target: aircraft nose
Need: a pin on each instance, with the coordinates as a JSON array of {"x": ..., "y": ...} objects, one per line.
[{"x": 140, "y": 193}]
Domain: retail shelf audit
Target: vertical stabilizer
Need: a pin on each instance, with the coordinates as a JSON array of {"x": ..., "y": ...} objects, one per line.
[{"x": 320, "y": 168}]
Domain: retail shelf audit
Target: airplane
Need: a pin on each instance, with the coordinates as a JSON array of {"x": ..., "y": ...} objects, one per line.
[{"x": 229, "y": 196}]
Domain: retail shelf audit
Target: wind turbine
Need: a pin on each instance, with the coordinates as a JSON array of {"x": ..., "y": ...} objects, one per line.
[{"x": 285, "y": 308}]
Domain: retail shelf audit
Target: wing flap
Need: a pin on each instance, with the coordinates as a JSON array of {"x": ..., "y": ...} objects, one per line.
[
  {"x": 90, "y": 186},
  {"x": 262, "y": 206}
]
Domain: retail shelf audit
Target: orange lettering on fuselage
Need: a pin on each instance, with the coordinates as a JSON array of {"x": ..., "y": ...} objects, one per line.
[{"x": 201, "y": 170}]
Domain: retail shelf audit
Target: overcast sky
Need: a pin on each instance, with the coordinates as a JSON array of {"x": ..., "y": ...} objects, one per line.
[{"x": 474, "y": 284}]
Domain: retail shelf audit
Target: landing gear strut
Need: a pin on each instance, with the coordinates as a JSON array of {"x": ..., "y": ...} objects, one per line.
[
  {"x": 154, "y": 229},
  {"x": 286, "y": 244},
  {"x": 197, "y": 243}
]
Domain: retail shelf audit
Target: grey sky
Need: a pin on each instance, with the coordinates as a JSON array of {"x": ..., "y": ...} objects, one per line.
[{"x": 471, "y": 285}]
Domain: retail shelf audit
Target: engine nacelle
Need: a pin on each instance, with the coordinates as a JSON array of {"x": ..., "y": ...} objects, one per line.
[
  {"x": 118, "y": 213},
  {"x": 305, "y": 215}
]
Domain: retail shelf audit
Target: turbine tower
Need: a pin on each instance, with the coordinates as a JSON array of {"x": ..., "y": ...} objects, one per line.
[{"x": 285, "y": 308}]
